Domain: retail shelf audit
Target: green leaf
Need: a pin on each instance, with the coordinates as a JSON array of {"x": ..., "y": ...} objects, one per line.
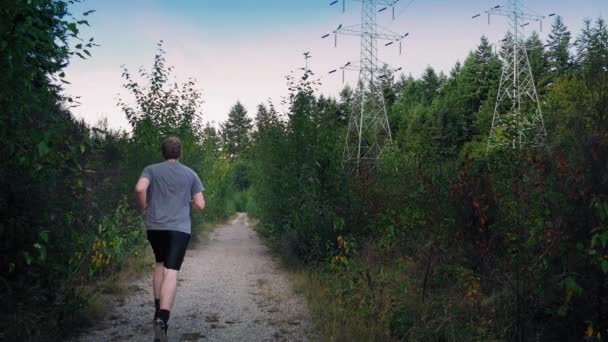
[
  {"x": 44, "y": 236},
  {"x": 43, "y": 149},
  {"x": 604, "y": 239},
  {"x": 72, "y": 27},
  {"x": 78, "y": 46},
  {"x": 87, "y": 52},
  {"x": 570, "y": 283},
  {"x": 88, "y": 12},
  {"x": 605, "y": 266}
]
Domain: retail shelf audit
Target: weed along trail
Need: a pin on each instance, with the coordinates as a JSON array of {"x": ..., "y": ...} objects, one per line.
[{"x": 229, "y": 289}]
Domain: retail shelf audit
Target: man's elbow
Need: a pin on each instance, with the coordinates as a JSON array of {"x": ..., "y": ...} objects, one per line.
[{"x": 140, "y": 189}]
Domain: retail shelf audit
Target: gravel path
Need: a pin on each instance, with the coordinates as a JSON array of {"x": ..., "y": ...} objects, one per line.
[{"x": 229, "y": 289}]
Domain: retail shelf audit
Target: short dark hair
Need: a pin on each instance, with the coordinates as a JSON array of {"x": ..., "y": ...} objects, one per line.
[{"x": 172, "y": 148}]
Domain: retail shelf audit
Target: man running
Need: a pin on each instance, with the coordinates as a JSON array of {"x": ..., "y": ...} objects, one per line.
[{"x": 167, "y": 192}]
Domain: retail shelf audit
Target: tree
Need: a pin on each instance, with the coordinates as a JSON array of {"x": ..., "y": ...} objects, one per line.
[
  {"x": 266, "y": 117},
  {"x": 558, "y": 54},
  {"x": 592, "y": 48},
  {"x": 235, "y": 131},
  {"x": 470, "y": 86},
  {"x": 486, "y": 67},
  {"x": 211, "y": 139},
  {"x": 537, "y": 58},
  {"x": 387, "y": 84},
  {"x": 592, "y": 54},
  {"x": 162, "y": 107},
  {"x": 430, "y": 84}
]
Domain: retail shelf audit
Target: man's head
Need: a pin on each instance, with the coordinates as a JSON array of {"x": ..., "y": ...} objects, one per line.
[{"x": 172, "y": 148}]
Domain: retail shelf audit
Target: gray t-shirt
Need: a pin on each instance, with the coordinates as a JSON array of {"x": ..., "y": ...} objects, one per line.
[{"x": 172, "y": 186}]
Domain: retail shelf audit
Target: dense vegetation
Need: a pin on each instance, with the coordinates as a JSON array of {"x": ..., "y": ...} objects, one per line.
[
  {"x": 443, "y": 241},
  {"x": 440, "y": 242},
  {"x": 67, "y": 211}
]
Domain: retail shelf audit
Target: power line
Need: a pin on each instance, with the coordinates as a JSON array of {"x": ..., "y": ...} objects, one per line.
[{"x": 404, "y": 9}]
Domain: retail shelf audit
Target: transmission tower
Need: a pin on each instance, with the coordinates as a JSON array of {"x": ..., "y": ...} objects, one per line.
[
  {"x": 368, "y": 129},
  {"x": 307, "y": 56},
  {"x": 518, "y": 119}
]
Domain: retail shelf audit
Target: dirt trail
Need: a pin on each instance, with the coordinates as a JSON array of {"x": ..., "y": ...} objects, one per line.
[{"x": 229, "y": 290}]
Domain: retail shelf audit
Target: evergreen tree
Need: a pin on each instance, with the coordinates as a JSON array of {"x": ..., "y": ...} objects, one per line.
[
  {"x": 456, "y": 70},
  {"x": 558, "y": 54},
  {"x": 475, "y": 85},
  {"x": 536, "y": 56},
  {"x": 505, "y": 48},
  {"x": 387, "y": 84},
  {"x": 266, "y": 117},
  {"x": 592, "y": 48},
  {"x": 484, "y": 54},
  {"x": 211, "y": 139},
  {"x": 346, "y": 100},
  {"x": 430, "y": 84},
  {"x": 487, "y": 70},
  {"x": 583, "y": 43},
  {"x": 235, "y": 131}
]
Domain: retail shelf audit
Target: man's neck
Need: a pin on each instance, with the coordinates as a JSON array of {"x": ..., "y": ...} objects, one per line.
[{"x": 172, "y": 160}]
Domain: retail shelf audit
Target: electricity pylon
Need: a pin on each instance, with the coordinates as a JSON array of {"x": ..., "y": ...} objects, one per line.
[
  {"x": 368, "y": 129},
  {"x": 518, "y": 118}
]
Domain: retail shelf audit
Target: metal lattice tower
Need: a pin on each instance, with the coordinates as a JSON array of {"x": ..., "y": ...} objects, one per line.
[
  {"x": 518, "y": 119},
  {"x": 368, "y": 129}
]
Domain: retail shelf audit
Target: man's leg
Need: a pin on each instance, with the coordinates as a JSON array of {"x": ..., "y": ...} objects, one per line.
[
  {"x": 168, "y": 289},
  {"x": 157, "y": 241},
  {"x": 157, "y": 281},
  {"x": 177, "y": 243}
]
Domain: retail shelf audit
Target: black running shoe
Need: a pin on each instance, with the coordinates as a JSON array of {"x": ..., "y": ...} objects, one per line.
[{"x": 160, "y": 330}]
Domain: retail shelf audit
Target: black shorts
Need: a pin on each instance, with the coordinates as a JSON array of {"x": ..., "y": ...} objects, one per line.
[{"x": 169, "y": 247}]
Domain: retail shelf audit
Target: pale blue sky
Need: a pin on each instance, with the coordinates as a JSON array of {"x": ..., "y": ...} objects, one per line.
[{"x": 240, "y": 50}]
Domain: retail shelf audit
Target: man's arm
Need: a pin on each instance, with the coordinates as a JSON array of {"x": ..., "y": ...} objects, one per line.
[
  {"x": 198, "y": 201},
  {"x": 141, "y": 191}
]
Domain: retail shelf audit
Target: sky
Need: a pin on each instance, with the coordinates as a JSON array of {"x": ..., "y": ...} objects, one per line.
[{"x": 242, "y": 49}]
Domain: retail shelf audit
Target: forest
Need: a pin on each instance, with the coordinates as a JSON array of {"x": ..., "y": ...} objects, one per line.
[{"x": 442, "y": 240}]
